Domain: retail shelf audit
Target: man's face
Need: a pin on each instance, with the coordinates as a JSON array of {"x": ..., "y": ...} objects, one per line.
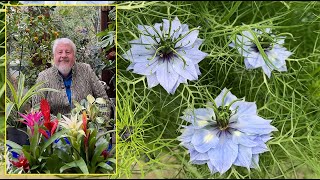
[{"x": 64, "y": 58}]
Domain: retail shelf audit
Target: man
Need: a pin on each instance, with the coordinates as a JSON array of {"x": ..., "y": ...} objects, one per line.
[{"x": 74, "y": 80}]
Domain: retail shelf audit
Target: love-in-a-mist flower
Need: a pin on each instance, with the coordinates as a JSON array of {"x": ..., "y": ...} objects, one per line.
[
  {"x": 270, "y": 44},
  {"x": 226, "y": 132},
  {"x": 166, "y": 53}
]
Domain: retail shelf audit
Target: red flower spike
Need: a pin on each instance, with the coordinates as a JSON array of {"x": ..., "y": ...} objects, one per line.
[
  {"x": 84, "y": 121},
  {"x": 51, "y": 126},
  {"x": 44, "y": 133},
  {"x": 22, "y": 162},
  {"x": 45, "y": 109},
  {"x": 105, "y": 154}
]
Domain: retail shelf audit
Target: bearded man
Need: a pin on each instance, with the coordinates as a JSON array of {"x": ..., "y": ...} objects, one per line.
[{"x": 74, "y": 80}]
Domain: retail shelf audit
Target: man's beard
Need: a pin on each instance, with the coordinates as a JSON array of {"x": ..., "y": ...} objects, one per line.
[{"x": 64, "y": 69}]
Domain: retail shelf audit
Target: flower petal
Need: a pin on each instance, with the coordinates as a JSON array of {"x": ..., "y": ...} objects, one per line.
[
  {"x": 203, "y": 140},
  {"x": 146, "y": 68},
  {"x": 194, "y": 54},
  {"x": 152, "y": 80},
  {"x": 174, "y": 28},
  {"x": 196, "y": 156},
  {"x": 243, "y": 139},
  {"x": 185, "y": 69},
  {"x": 228, "y": 98},
  {"x": 166, "y": 76},
  {"x": 245, "y": 108},
  {"x": 253, "y": 124},
  {"x": 188, "y": 40},
  {"x": 224, "y": 154},
  {"x": 244, "y": 158},
  {"x": 211, "y": 167}
]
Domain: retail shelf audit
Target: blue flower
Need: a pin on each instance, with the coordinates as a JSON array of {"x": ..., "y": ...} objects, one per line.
[
  {"x": 226, "y": 132},
  {"x": 14, "y": 154},
  {"x": 271, "y": 45},
  {"x": 166, "y": 53}
]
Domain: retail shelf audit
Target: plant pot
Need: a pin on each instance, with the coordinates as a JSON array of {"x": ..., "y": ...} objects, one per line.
[{"x": 17, "y": 135}]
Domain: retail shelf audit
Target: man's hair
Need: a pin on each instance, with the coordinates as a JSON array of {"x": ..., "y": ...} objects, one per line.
[{"x": 63, "y": 41}]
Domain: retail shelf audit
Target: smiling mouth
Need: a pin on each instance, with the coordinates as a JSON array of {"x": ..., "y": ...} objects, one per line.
[{"x": 64, "y": 60}]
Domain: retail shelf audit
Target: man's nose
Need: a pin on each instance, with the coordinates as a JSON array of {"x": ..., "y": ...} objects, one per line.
[{"x": 64, "y": 54}]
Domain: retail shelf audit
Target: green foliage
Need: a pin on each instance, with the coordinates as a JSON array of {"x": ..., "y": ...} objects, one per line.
[
  {"x": 290, "y": 99},
  {"x": 30, "y": 32},
  {"x": 19, "y": 98}
]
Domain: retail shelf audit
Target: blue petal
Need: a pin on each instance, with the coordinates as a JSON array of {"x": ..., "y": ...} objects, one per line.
[
  {"x": 261, "y": 148},
  {"x": 253, "y": 124},
  {"x": 138, "y": 48},
  {"x": 228, "y": 98},
  {"x": 245, "y": 108},
  {"x": 211, "y": 167},
  {"x": 204, "y": 139},
  {"x": 247, "y": 64},
  {"x": 196, "y": 66},
  {"x": 166, "y": 76},
  {"x": 196, "y": 156},
  {"x": 186, "y": 70},
  {"x": 243, "y": 139},
  {"x": 148, "y": 30},
  {"x": 146, "y": 68},
  {"x": 175, "y": 27},
  {"x": 223, "y": 156},
  {"x": 188, "y": 40},
  {"x": 244, "y": 158},
  {"x": 180, "y": 80},
  {"x": 152, "y": 80},
  {"x": 194, "y": 54},
  {"x": 255, "y": 161},
  {"x": 255, "y": 60},
  {"x": 199, "y": 117},
  {"x": 187, "y": 134},
  {"x": 266, "y": 70}
]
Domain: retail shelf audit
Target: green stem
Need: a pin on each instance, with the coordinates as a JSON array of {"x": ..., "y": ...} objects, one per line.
[{"x": 233, "y": 9}]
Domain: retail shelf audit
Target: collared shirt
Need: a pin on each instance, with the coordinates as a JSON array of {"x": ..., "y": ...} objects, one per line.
[{"x": 67, "y": 83}]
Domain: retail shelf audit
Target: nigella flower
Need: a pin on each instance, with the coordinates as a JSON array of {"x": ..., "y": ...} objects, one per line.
[
  {"x": 270, "y": 44},
  {"x": 226, "y": 132},
  {"x": 167, "y": 54}
]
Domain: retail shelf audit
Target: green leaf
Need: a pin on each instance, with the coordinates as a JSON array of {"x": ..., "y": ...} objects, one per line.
[
  {"x": 90, "y": 99},
  {"x": 54, "y": 163},
  {"x": 15, "y": 147},
  {"x": 101, "y": 101},
  {"x": 100, "y": 120},
  {"x": 9, "y": 108},
  {"x": 97, "y": 152},
  {"x": 20, "y": 88},
  {"x": 105, "y": 166},
  {"x": 53, "y": 138},
  {"x": 31, "y": 159},
  {"x": 79, "y": 163},
  {"x": 102, "y": 33},
  {"x": 13, "y": 92},
  {"x": 114, "y": 161},
  {"x": 34, "y": 139}
]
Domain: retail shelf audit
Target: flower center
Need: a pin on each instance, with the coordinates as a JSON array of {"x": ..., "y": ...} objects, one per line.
[
  {"x": 165, "y": 50},
  {"x": 264, "y": 42},
  {"x": 223, "y": 116}
]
